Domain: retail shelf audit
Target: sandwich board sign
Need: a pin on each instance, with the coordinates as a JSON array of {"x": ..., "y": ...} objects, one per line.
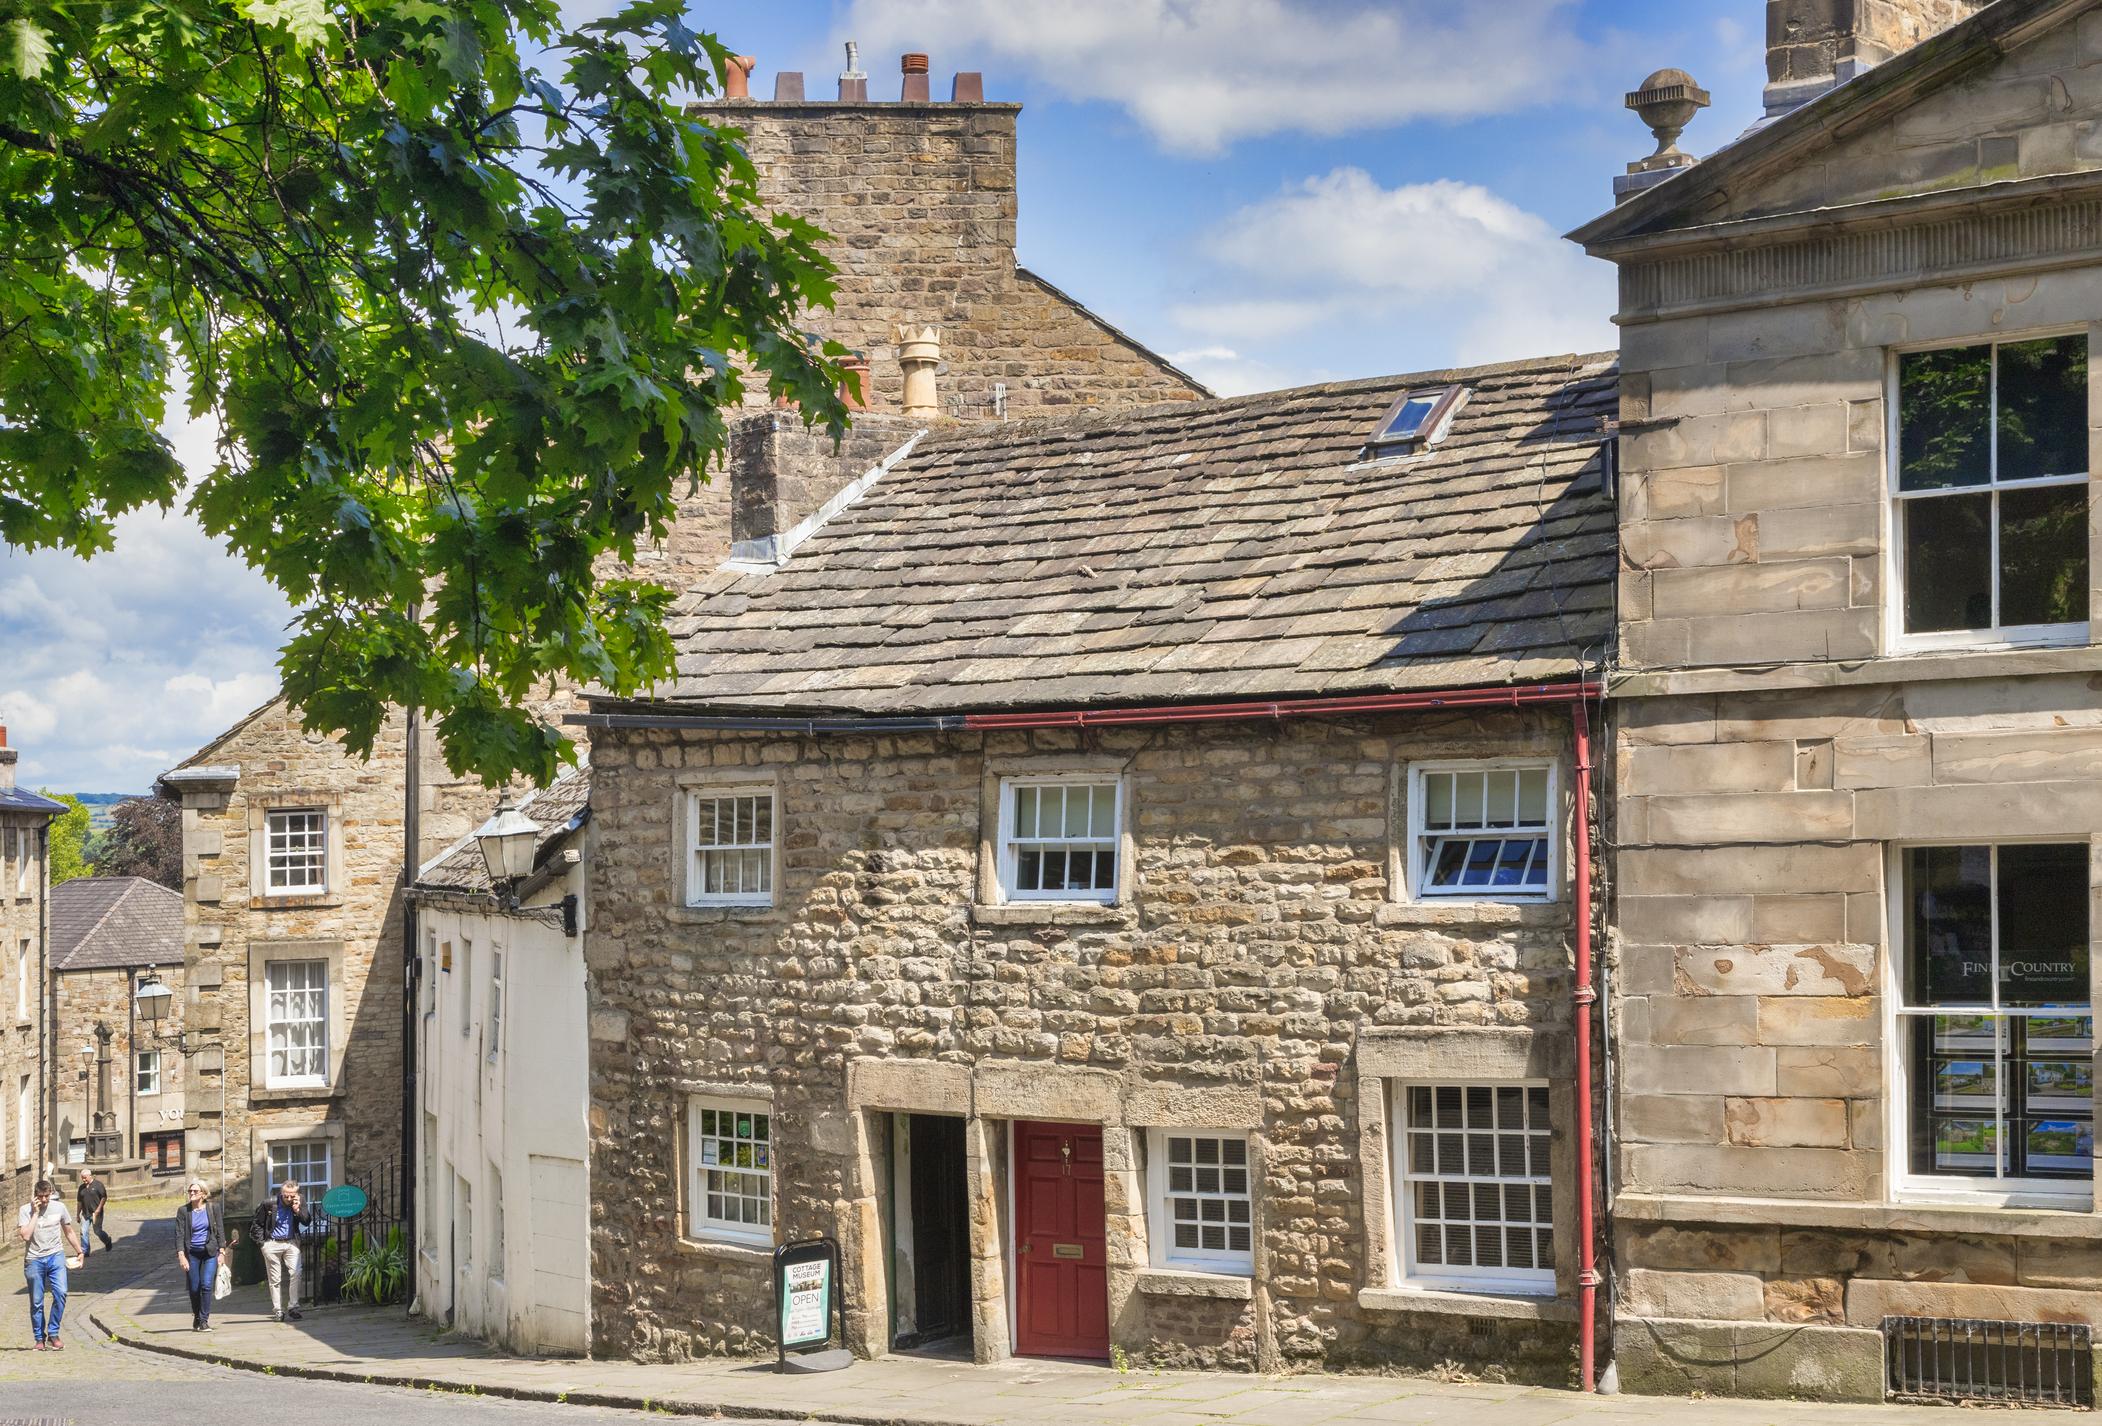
[{"x": 808, "y": 1312}]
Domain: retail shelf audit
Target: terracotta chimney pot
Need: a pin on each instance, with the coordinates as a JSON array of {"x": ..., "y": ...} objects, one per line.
[
  {"x": 914, "y": 67},
  {"x": 788, "y": 87},
  {"x": 855, "y": 389},
  {"x": 968, "y": 88},
  {"x": 737, "y": 76}
]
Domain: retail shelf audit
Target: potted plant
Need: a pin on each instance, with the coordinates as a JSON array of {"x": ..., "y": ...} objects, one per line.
[{"x": 378, "y": 1268}]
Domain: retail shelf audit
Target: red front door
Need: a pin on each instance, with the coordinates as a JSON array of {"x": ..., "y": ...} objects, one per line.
[{"x": 1061, "y": 1256}]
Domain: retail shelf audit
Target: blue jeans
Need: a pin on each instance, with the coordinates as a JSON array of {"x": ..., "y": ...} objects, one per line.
[
  {"x": 203, "y": 1275},
  {"x": 46, "y": 1275}
]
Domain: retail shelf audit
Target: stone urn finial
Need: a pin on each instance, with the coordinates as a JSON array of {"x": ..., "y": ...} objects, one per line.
[{"x": 1667, "y": 102}]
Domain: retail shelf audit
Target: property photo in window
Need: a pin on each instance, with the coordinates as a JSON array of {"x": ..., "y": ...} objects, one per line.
[
  {"x": 731, "y": 1183},
  {"x": 731, "y": 835},
  {"x": 1995, "y": 1024},
  {"x": 1202, "y": 1200},
  {"x": 295, "y": 1022},
  {"x": 1483, "y": 832},
  {"x": 295, "y": 852},
  {"x": 1991, "y": 488},
  {"x": 1477, "y": 1199},
  {"x": 1058, "y": 840}
]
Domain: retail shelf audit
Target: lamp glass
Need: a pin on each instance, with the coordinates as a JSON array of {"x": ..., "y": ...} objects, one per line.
[
  {"x": 151, "y": 1000},
  {"x": 507, "y": 843}
]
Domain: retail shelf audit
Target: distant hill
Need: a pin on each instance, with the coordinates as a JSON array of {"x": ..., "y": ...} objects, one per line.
[{"x": 101, "y": 804}]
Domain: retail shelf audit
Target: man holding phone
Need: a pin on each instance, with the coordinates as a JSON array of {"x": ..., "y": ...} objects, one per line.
[
  {"x": 46, "y": 1228},
  {"x": 279, "y": 1220}
]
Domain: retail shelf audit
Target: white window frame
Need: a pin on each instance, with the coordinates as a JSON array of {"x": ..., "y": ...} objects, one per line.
[
  {"x": 465, "y": 985},
  {"x": 271, "y": 1021},
  {"x": 276, "y": 829},
  {"x": 463, "y": 1211},
  {"x": 1007, "y": 847},
  {"x": 497, "y": 1226},
  {"x": 284, "y": 1148},
  {"x": 25, "y": 1116},
  {"x": 700, "y": 1223},
  {"x": 1951, "y": 1189},
  {"x": 1999, "y": 636},
  {"x": 1505, "y": 1281},
  {"x": 1416, "y": 870},
  {"x": 146, "y": 1072},
  {"x": 1161, "y": 1220},
  {"x": 22, "y": 981},
  {"x": 495, "y": 1034},
  {"x": 691, "y": 801},
  {"x": 25, "y": 847}
]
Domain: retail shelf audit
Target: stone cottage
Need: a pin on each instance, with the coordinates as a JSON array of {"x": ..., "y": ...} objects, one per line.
[
  {"x": 1858, "y": 716},
  {"x": 297, "y": 855},
  {"x": 110, "y": 936},
  {"x": 1118, "y": 875},
  {"x": 26, "y": 1111}
]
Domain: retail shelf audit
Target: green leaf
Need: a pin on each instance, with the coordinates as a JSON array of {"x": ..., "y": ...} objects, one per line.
[
  {"x": 307, "y": 21},
  {"x": 29, "y": 48}
]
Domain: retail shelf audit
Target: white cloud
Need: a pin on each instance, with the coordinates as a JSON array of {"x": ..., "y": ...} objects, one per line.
[
  {"x": 1202, "y": 74},
  {"x": 1427, "y": 274},
  {"x": 1228, "y": 373}
]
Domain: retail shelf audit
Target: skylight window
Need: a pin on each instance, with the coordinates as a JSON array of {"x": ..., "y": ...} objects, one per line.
[{"x": 1416, "y": 419}]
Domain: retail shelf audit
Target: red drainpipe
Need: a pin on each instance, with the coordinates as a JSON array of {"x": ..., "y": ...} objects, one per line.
[
  {"x": 1583, "y": 995},
  {"x": 1577, "y": 696}
]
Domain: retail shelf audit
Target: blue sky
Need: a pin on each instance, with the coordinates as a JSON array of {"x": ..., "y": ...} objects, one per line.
[{"x": 1272, "y": 192}]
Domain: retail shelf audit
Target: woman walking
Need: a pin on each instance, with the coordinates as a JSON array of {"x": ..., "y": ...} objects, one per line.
[{"x": 201, "y": 1241}]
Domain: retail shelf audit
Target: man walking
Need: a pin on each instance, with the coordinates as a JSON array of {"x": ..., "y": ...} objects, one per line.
[
  {"x": 90, "y": 1198},
  {"x": 278, "y": 1221},
  {"x": 46, "y": 1228}
]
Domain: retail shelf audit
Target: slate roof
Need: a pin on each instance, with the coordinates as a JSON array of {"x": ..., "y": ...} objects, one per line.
[
  {"x": 559, "y": 809},
  {"x": 1211, "y": 550},
  {"x": 14, "y": 799},
  {"x": 113, "y": 922}
]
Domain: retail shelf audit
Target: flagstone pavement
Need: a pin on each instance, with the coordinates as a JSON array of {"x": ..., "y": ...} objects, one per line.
[{"x": 386, "y": 1346}]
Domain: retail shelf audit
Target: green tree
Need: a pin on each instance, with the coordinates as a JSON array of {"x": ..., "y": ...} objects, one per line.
[
  {"x": 467, "y": 326},
  {"x": 69, "y": 838},
  {"x": 144, "y": 838}
]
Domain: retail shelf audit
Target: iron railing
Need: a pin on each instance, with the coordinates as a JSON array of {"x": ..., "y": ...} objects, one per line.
[
  {"x": 326, "y": 1253},
  {"x": 1974, "y": 1359}
]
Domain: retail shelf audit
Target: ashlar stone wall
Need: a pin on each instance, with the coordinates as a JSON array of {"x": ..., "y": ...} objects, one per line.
[
  {"x": 87, "y": 998},
  {"x": 1261, "y": 973}
]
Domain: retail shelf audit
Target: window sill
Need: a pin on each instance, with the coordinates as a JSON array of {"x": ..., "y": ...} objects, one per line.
[
  {"x": 1511, "y": 1306},
  {"x": 718, "y": 915},
  {"x": 1892, "y": 667},
  {"x": 1876, "y": 1217},
  {"x": 1192, "y": 1282},
  {"x": 1457, "y": 912},
  {"x": 320, "y": 901},
  {"x": 720, "y": 1250},
  {"x": 1053, "y": 913},
  {"x": 299, "y": 1094}
]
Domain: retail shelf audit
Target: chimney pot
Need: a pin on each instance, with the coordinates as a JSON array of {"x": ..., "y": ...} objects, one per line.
[
  {"x": 914, "y": 90},
  {"x": 920, "y": 354},
  {"x": 969, "y": 88},
  {"x": 854, "y": 389},
  {"x": 3, "y": 735},
  {"x": 737, "y": 76},
  {"x": 788, "y": 87},
  {"x": 853, "y": 82}
]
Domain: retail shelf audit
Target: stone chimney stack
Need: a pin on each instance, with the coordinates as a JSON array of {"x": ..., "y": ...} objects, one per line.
[
  {"x": 7, "y": 762},
  {"x": 1814, "y": 45}
]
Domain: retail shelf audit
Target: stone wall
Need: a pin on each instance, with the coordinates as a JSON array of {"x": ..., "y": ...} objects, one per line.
[
  {"x": 22, "y": 925},
  {"x": 87, "y": 998},
  {"x": 920, "y": 201},
  {"x": 1263, "y": 974}
]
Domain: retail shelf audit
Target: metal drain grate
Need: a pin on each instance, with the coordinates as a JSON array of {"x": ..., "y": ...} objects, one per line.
[{"x": 1972, "y": 1359}]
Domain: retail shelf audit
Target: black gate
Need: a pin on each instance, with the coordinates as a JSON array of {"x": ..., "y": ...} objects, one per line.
[{"x": 335, "y": 1248}]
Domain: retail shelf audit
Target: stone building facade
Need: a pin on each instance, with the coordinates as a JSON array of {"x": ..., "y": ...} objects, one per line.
[
  {"x": 1858, "y": 722},
  {"x": 25, "y": 1081},
  {"x": 920, "y": 198},
  {"x": 111, "y": 936},
  {"x": 1192, "y": 1112}
]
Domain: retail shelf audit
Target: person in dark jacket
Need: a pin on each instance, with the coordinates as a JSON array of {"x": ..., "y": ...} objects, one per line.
[
  {"x": 200, "y": 1245},
  {"x": 90, "y": 1199},
  {"x": 279, "y": 1220}
]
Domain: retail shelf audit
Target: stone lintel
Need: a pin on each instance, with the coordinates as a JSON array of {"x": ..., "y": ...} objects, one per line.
[
  {"x": 1018, "y": 1089},
  {"x": 1903, "y": 668},
  {"x": 1463, "y": 1052}
]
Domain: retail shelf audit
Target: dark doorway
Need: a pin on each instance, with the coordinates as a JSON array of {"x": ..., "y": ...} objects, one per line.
[{"x": 934, "y": 1249}]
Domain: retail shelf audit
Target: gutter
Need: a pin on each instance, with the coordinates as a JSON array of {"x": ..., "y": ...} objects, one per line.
[{"x": 1138, "y": 715}]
